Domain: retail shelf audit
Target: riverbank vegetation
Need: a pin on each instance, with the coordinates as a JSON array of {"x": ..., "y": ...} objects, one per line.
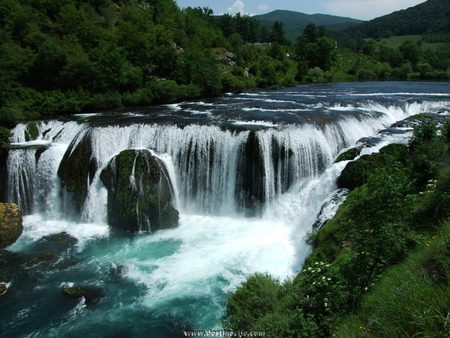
[
  {"x": 70, "y": 56},
  {"x": 380, "y": 267}
]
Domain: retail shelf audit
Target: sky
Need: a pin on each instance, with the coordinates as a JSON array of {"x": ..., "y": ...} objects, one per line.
[{"x": 358, "y": 9}]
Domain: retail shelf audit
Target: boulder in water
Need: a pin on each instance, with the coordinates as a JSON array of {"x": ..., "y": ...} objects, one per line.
[
  {"x": 10, "y": 224},
  {"x": 139, "y": 192},
  {"x": 91, "y": 294},
  {"x": 58, "y": 242}
]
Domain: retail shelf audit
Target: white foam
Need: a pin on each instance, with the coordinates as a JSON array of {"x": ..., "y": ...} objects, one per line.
[
  {"x": 280, "y": 110},
  {"x": 343, "y": 108},
  {"x": 174, "y": 106},
  {"x": 211, "y": 248},
  {"x": 400, "y": 94},
  {"x": 36, "y": 227},
  {"x": 254, "y": 123}
]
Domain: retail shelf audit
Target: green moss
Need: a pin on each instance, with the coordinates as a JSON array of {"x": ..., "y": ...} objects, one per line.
[
  {"x": 348, "y": 155},
  {"x": 10, "y": 224},
  {"x": 138, "y": 200},
  {"x": 32, "y": 130},
  {"x": 356, "y": 173}
]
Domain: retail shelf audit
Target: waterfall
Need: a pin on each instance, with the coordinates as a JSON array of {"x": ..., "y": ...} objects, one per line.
[
  {"x": 213, "y": 170},
  {"x": 22, "y": 178}
]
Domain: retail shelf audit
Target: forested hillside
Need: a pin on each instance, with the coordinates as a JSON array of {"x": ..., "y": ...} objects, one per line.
[
  {"x": 77, "y": 55},
  {"x": 431, "y": 17},
  {"x": 70, "y": 56},
  {"x": 295, "y": 22}
]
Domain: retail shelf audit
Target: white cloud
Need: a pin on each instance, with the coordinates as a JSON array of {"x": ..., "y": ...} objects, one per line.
[
  {"x": 263, "y": 7},
  {"x": 368, "y": 9},
  {"x": 238, "y": 7}
]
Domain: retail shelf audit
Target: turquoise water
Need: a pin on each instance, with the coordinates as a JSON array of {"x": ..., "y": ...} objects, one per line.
[{"x": 154, "y": 284}]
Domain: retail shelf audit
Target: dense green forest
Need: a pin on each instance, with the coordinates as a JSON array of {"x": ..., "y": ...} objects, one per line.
[
  {"x": 295, "y": 22},
  {"x": 380, "y": 267},
  {"x": 69, "y": 56},
  {"x": 431, "y": 17},
  {"x": 72, "y": 55}
]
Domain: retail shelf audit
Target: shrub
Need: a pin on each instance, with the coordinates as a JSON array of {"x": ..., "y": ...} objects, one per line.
[
  {"x": 254, "y": 299},
  {"x": 411, "y": 299}
]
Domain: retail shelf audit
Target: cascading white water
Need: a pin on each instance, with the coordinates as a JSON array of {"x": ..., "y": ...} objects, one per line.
[
  {"x": 203, "y": 160},
  {"x": 22, "y": 178},
  {"x": 32, "y": 166}
]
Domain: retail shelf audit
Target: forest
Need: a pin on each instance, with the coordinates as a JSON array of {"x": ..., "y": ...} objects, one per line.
[{"x": 71, "y": 56}]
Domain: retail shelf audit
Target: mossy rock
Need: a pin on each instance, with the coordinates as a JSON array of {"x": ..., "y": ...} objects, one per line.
[
  {"x": 349, "y": 155},
  {"x": 32, "y": 131},
  {"x": 139, "y": 192},
  {"x": 77, "y": 169},
  {"x": 10, "y": 224},
  {"x": 357, "y": 172}
]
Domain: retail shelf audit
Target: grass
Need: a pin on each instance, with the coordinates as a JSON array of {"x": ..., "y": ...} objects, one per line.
[
  {"x": 411, "y": 299},
  {"x": 397, "y": 41}
]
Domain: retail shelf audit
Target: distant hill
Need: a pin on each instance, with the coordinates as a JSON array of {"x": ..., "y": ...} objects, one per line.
[
  {"x": 430, "y": 17},
  {"x": 295, "y": 22}
]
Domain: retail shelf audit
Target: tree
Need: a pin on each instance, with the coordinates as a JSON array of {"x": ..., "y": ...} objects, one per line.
[
  {"x": 411, "y": 52},
  {"x": 278, "y": 34}
]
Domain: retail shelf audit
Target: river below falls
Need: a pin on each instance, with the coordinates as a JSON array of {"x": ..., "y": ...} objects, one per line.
[{"x": 159, "y": 284}]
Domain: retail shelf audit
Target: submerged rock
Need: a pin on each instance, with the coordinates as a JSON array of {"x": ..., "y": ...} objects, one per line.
[
  {"x": 3, "y": 289},
  {"x": 77, "y": 169},
  {"x": 58, "y": 242},
  {"x": 139, "y": 192},
  {"x": 10, "y": 224},
  {"x": 91, "y": 294},
  {"x": 117, "y": 272}
]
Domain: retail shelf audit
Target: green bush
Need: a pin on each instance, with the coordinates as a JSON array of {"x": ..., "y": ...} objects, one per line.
[
  {"x": 411, "y": 299},
  {"x": 254, "y": 299},
  {"x": 357, "y": 172},
  {"x": 111, "y": 100}
]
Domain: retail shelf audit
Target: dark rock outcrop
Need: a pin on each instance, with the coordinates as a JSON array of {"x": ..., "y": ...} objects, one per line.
[
  {"x": 10, "y": 224},
  {"x": 77, "y": 170},
  {"x": 356, "y": 173},
  {"x": 3, "y": 175},
  {"x": 250, "y": 181},
  {"x": 139, "y": 192},
  {"x": 58, "y": 242},
  {"x": 349, "y": 155}
]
